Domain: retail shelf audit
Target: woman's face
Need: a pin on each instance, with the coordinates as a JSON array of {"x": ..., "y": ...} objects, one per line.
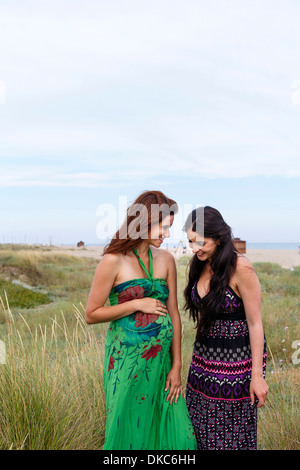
[
  {"x": 161, "y": 231},
  {"x": 203, "y": 247}
]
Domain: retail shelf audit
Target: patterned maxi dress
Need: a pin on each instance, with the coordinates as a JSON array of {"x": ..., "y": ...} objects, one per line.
[
  {"x": 137, "y": 361},
  {"x": 217, "y": 393}
]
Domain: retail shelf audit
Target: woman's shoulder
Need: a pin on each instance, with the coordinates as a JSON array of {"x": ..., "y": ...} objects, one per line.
[
  {"x": 242, "y": 261},
  {"x": 162, "y": 255},
  {"x": 111, "y": 259},
  {"x": 244, "y": 266},
  {"x": 111, "y": 256}
]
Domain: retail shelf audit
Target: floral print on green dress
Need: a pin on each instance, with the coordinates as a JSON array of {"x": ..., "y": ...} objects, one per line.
[{"x": 137, "y": 362}]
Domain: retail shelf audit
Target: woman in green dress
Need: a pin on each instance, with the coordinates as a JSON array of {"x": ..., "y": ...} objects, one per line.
[{"x": 144, "y": 400}]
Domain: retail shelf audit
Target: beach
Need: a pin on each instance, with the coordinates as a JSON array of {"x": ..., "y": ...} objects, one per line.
[{"x": 285, "y": 258}]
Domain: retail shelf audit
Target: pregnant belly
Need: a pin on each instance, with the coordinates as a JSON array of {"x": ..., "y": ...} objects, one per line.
[{"x": 139, "y": 327}]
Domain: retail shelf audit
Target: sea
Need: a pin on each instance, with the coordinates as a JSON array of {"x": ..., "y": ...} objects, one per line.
[
  {"x": 272, "y": 246},
  {"x": 251, "y": 245},
  {"x": 294, "y": 246}
]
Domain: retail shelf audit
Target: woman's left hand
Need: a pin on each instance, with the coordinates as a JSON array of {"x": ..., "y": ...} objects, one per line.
[
  {"x": 174, "y": 383},
  {"x": 259, "y": 389}
]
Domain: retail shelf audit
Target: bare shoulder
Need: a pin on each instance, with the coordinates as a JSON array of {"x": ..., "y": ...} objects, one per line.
[
  {"x": 109, "y": 261},
  {"x": 111, "y": 258},
  {"x": 243, "y": 261},
  {"x": 244, "y": 267},
  {"x": 163, "y": 255}
]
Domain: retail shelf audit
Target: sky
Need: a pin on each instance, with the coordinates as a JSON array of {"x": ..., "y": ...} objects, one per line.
[{"x": 101, "y": 100}]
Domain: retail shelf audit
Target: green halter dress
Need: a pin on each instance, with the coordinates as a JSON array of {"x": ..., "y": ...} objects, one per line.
[{"x": 137, "y": 361}]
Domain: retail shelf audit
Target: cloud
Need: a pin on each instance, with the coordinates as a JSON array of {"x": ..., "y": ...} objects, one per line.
[
  {"x": 37, "y": 176},
  {"x": 133, "y": 89}
]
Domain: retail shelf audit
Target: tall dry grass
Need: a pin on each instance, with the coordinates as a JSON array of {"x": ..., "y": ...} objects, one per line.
[{"x": 51, "y": 390}]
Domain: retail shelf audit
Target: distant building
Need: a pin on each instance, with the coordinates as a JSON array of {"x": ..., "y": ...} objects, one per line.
[
  {"x": 240, "y": 245},
  {"x": 80, "y": 244}
]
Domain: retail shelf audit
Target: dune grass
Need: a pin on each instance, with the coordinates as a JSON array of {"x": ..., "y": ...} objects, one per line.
[
  {"x": 51, "y": 393},
  {"x": 51, "y": 390}
]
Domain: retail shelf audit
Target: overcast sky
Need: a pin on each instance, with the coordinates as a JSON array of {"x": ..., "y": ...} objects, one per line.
[{"x": 105, "y": 99}]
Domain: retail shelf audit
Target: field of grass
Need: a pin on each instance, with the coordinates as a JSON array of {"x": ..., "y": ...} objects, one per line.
[{"x": 51, "y": 380}]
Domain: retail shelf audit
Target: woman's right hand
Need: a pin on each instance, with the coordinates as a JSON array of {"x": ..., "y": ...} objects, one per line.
[{"x": 151, "y": 306}]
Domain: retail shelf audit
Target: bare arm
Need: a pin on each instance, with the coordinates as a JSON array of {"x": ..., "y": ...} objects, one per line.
[
  {"x": 102, "y": 284},
  {"x": 174, "y": 379},
  {"x": 249, "y": 288}
]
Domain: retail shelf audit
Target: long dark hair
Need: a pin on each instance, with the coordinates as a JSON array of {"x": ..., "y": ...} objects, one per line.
[{"x": 223, "y": 265}]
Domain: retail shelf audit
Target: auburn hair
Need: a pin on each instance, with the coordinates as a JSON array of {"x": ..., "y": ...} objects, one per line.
[{"x": 149, "y": 202}]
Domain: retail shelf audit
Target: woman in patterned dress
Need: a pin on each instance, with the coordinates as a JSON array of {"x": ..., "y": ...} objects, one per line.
[
  {"x": 144, "y": 400},
  {"x": 226, "y": 378}
]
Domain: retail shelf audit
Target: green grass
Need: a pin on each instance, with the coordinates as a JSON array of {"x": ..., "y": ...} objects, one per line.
[
  {"x": 22, "y": 297},
  {"x": 51, "y": 390}
]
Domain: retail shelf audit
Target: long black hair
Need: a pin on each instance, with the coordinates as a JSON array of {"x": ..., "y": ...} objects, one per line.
[{"x": 223, "y": 265}]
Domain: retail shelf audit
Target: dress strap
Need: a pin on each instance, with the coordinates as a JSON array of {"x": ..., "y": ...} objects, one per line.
[{"x": 150, "y": 276}]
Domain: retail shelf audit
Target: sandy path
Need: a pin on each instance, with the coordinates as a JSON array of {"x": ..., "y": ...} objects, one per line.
[{"x": 285, "y": 258}]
